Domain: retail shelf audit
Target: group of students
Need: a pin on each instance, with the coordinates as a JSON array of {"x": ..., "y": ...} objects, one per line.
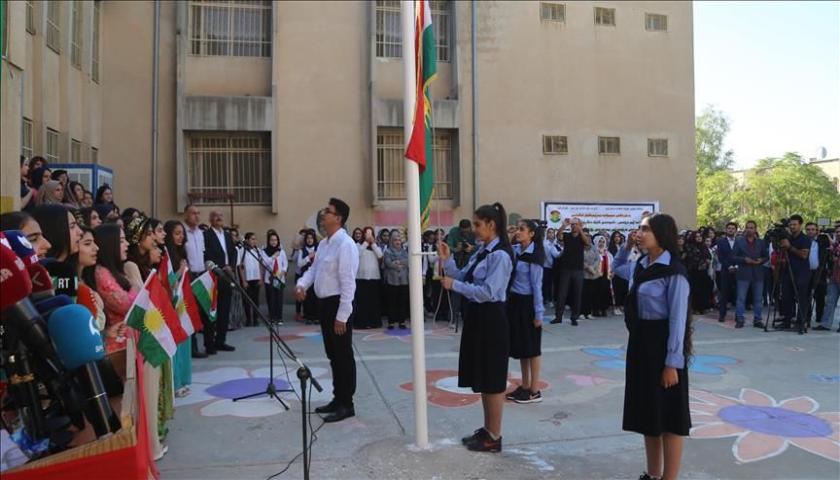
[{"x": 502, "y": 288}]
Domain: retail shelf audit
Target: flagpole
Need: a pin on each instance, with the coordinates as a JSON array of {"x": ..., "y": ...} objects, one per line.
[{"x": 415, "y": 278}]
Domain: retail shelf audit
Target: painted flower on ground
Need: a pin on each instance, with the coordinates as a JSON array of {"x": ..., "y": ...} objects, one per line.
[
  {"x": 763, "y": 427},
  {"x": 214, "y": 390},
  {"x": 442, "y": 389},
  {"x": 404, "y": 335},
  {"x": 615, "y": 358}
]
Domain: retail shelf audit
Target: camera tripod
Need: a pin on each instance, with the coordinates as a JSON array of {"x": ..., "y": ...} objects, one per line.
[{"x": 776, "y": 294}]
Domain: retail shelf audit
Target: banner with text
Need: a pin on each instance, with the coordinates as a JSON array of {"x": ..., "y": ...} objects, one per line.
[{"x": 598, "y": 216}]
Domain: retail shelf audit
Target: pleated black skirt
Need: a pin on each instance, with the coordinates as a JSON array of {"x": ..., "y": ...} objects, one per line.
[
  {"x": 367, "y": 307},
  {"x": 649, "y": 408},
  {"x": 485, "y": 340},
  {"x": 525, "y": 338}
]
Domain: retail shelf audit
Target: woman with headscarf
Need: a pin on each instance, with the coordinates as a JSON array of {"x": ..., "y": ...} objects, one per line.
[
  {"x": 603, "y": 288},
  {"x": 274, "y": 256},
  {"x": 104, "y": 194},
  {"x": 395, "y": 261},
  {"x": 619, "y": 285},
  {"x": 367, "y": 306},
  {"x": 697, "y": 261},
  {"x": 591, "y": 273},
  {"x": 50, "y": 193},
  {"x": 74, "y": 194},
  {"x": 303, "y": 261}
]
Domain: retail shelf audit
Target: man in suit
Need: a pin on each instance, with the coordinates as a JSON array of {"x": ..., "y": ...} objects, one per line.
[
  {"x": 725, "y": 247},
  {"x": 220, "y": 249},
  {"x": 749, "y": 254}
]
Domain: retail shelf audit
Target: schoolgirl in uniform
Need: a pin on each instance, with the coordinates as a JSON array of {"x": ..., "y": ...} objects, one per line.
[
  {"x": 525, "y": 310},
  {"x": 657, "y": 317},
  {"x": 485, "y": 340}
]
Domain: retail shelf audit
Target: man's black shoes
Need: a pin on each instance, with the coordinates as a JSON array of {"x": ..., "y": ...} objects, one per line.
[{"x": 341, "y": 412}]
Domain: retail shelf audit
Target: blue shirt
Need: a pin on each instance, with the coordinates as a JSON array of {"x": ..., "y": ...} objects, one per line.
[
  {"x": 490, "y": 277},
  {"x": 551, "y": 253},
  {"x": 801, "y": 266},
  {"x": 528, "y": 280},
  {"x": 661, "y": 298}
]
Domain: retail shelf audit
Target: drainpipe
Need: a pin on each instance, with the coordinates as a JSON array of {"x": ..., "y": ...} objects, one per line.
[
  {"x": 155, "y": 94},
  {"x": 474, "y": 104}
]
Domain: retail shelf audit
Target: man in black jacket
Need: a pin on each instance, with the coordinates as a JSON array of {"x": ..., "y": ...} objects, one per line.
[{"x": 219, "y": 249}]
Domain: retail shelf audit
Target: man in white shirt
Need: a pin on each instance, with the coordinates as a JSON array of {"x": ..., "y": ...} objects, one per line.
[
  {"x": 195, "y": 261},
  {"x": 333, "y": 273}
]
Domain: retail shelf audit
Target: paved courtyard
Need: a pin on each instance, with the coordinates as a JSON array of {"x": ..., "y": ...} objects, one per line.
[{"x": 765, "y": 405}]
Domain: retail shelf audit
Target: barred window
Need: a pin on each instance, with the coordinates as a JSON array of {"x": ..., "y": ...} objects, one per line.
[
  {"x": 604, "y": 16},
  {"x": 231, "y": 163},
  {"x": 389, "y": 29},
  {"x": 440, "y": 24},
  {"x": 609, "y": 145},
  {"x": 657, "y": 147},
  {"x": 54, "y": 26},
  {"x": 94, "y": 47},
  {"x": 52, "y": 146},
  {"x": 30, "y": 16},
  {"x": 390, "y": 164},
  {"x": 552, "y": 12},
  {"x": 230, "y": 28},
  {"x": 75, "y": 151},
  {"x": 555, "y": 145},
  {"x": 26, "y": 138},
  {"x": 655, "y": 22},
  {"x": 76, "y": 40},
  {"x": 94, "y": 155}
]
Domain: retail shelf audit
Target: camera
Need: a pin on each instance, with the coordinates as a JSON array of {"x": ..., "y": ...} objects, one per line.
[{"x": 779, "y": 231}]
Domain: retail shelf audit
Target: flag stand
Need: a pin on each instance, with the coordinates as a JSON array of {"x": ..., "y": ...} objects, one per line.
[{"x": 412, "y": 182}]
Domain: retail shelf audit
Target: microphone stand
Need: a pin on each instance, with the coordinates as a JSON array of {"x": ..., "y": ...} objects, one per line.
[{"x": 304, "y": 374}]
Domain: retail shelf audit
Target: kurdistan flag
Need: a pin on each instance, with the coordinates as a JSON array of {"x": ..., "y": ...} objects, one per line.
[
  {"x": 205, "y": 289},
  {"x": 420, "y": 145},
  {"x": 186, "y": 306},
  {"x": 168, "y": 275},
  {"x": 151, "y": 314}
]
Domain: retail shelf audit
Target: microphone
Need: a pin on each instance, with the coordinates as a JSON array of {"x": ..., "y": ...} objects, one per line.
[
  {"x": 42, "y": 286},
  {"x": 48, "y": 305},
  {"x": 79, "y": 346},
  {"x": 21, "y": 246},
  {"x": 209, "y": 265},
  {"x": 63, "y": 276}
]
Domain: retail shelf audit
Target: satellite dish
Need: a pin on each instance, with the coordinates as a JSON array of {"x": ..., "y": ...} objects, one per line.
[{"x": 821, "y": 153}]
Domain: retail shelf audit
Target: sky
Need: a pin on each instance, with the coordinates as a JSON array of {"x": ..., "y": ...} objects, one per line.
[{"x": 774, "y": 69}]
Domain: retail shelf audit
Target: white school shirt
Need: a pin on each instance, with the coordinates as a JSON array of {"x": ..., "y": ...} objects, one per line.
[
  {"x": 369, "y": 261},
  {"x": 250, "y": 263},
  {"x": 334, "y": 272},
  {"x": 283, "y": 263}
]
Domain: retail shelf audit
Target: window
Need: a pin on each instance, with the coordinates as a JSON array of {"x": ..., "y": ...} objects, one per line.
[
  {"x": 604, "y": 16},
  {"x": 52, "y": 146},
  {"x": 609, "y": 145},
  {"x": 230, "y": 28},
  {"x": 552, "y": 12},
  {"x": 555, "y": 145},
  {"x": 53, "y": 26},
  {"x": 231, "y": 163},
  {"x": 657, "y": 147},
  {"x": 26, "y": 138},
  {"x": 76, "y": 40},
  {"x": 440, "y": 23},
  {"x": 655, "y": 22},
  {"x": 94, "y": 47},
  {"x": 94, "y": 155},
  {"x": 388, "y": 29},
  {"x": 30, "y": 16},
  {"x": 390, "y": 164},
  {"x": 75, "y": 151}
]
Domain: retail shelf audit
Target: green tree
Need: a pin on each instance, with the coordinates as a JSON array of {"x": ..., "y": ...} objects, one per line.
[
  {"x": 779, "y": 187},
  {"x": 710, "y": 129},
  {"x": 717, "y": 198}
]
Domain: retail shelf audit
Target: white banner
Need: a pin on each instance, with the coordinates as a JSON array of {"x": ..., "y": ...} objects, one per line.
[{"x": 598, "y": 216}]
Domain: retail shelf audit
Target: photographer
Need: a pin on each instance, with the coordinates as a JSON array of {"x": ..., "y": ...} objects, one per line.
[
  {"x": 817, "y": 260},
  {"x": 796, "y": 248},
  {"x": 833, "y": 284}
]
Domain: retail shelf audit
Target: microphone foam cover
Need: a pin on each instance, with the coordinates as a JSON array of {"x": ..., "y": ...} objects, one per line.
[
  {"x": 41, "y": 281},
  {"x": 47, "y": 305},
  {"x": 21, "y": 246},
  {"x": 15, "y": 284},
  {"x": 75, "y": 336}
]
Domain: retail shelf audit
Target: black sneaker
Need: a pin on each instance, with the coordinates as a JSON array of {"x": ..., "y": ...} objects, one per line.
[
  {"x": 530, "y": 397},
  {"x": 515, "y": 394},
  {"x": 484, "y": 443},
  {"x": 556, "y": 321},
  {"x": 471, "y": 438},
  {"x": 645, "y": 476}
]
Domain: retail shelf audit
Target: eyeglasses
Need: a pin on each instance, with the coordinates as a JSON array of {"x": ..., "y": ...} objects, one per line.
[{"x": 328, "y": 211}]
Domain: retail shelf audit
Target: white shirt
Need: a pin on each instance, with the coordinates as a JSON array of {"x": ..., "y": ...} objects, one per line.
[
  {"x": 814, "y": 255},
  {"x": 369, "y": 261},
  {"x": 333, "y": 272},
  {"x": 282, "y": 264},
  {"x": 195, "y": 248},
  {"x": 220, "y": 234},
  {"x": 302, "y": 258},
  {"x": 731, "y": 241},
  {"x": 250, "y": 263}
]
